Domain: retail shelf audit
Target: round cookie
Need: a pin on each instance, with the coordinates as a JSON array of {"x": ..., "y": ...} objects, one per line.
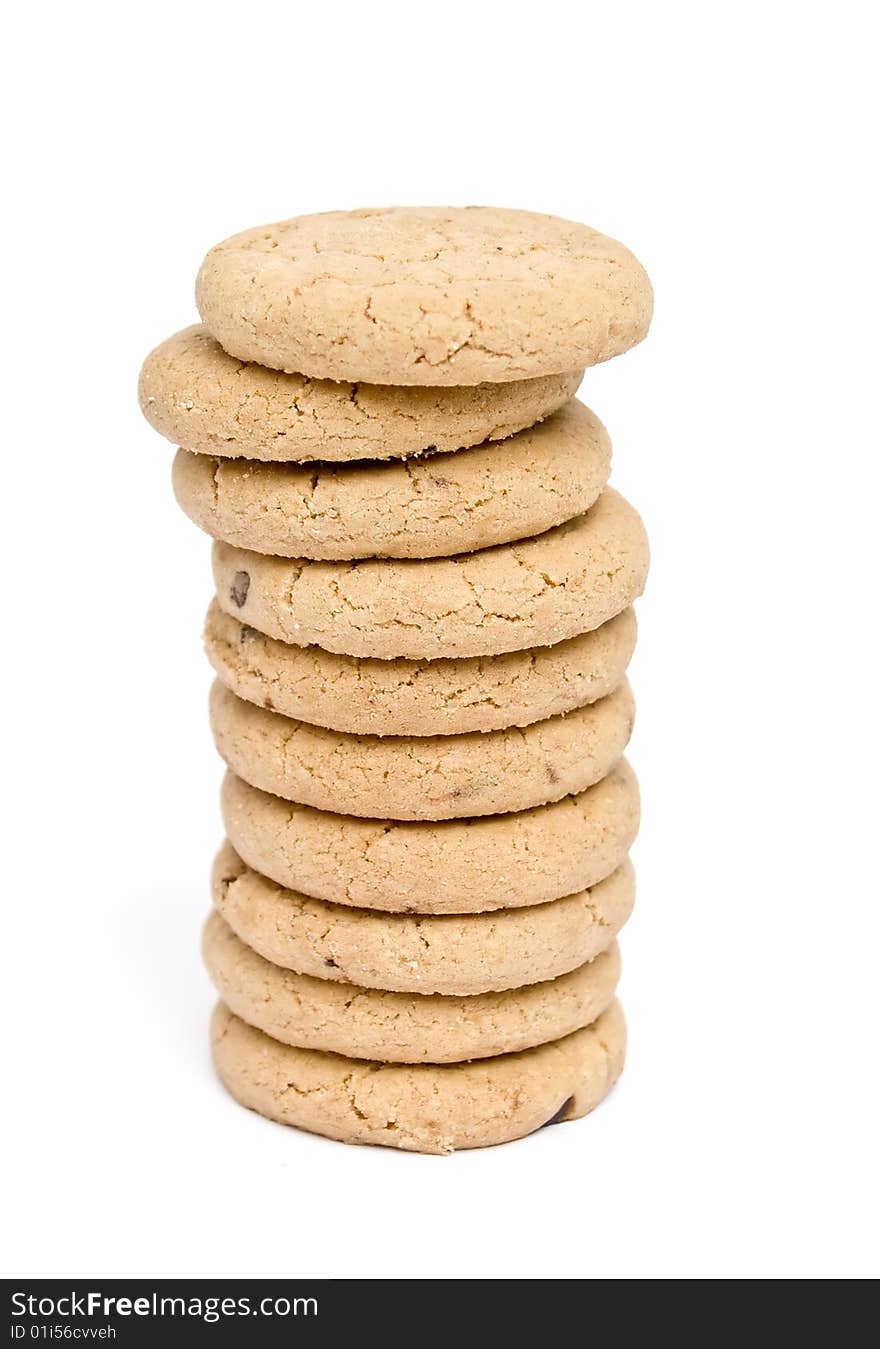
[
  {"x": 407, "y": 697},
  {"x": 420, "y": 1107},
  {"x": 427, "y": 507},
  {"x": 535, "y": 593},
  {"x": 423, "y": 777},
  {"x": 424, "y": 295},
  {"x": 372, "y": 1023},
  {"x": 444, "y": 953},
  {"x": 454, "y": 866},
  {"x": 196, "y": 395}
]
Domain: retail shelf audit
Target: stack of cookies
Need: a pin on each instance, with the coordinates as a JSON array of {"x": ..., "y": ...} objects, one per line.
[{"x": 421, "y": 630}]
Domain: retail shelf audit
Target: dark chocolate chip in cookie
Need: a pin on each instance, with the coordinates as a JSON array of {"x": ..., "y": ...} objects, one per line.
[
  {"x": 240, "y": 585},
  {"x": 561, "y": 1113}
]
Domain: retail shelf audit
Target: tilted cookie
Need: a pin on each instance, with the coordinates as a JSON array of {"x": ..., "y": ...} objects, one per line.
[
  {"x": 434, "y": 1108},
  {"x": 452, "y": 866},
  {"x": 430, "y": 697},
  {"x": 442, "y": 953},
  {"x": 196, "y": 395},
  {"x": 422, "y": 777},
  {"x": 424, "y": 295},
  {"x": 535, "y": 593},
  {"x": 428, "y": 507},
  {"x": 372, "y": 1023}
]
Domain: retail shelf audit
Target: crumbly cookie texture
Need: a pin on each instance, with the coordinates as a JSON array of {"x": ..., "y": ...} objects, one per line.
[
  {"x": 444, "y": 953},
  {"x": 427, "y": 507},
  {"x": 420, "y": 1107},
  {"x": 197, "y": 396},
  {"x": 454, "y": 866},
  {"x": 422, "y": 777},
  {"x": 372, "y": 1023},
  {"x": 429, "y": 697},
  {"x": 518, "y": 595},
  {"x": 424, "y": 295}
]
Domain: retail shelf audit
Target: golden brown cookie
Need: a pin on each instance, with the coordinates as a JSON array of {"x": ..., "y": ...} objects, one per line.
[
  {"x": 372, "y": 1023},
  {"x": 426, "y": 507},
  {"x": 535, "y": 593},
  {"x": 434, "y": 1108},
  {"x": 437, "y": 777},
  {"x": 424, "y": 295},
  {"x": 197, "y": 396},
  {"x": 452, "y": 866},
  {"x": 444, "y": 953},
  {"x": 427, "y": 697}
]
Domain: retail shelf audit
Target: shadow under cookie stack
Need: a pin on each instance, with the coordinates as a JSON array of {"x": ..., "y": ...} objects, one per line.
[{"x": 421, "y": 630}]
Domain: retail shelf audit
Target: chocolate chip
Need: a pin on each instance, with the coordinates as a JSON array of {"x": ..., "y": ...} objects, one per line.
[
  {"x": 268, "y": 704},
  {"x": 331, "y": 963},
  {"x": 561, "y": 1114},
  {"x": 240, "y": 585}
]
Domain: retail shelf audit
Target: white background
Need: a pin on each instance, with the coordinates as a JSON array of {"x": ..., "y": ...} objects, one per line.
[{"x": 730, "y": 147}]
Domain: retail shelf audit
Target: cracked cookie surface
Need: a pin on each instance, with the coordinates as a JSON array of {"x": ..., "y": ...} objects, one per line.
[
  {"x": 422, "y": 777},
  {"x": 517, "y": 595},
  {"x": 477, "y": 953},
  {"x": 197, "y": 396},
  {"x": 425, "y": 507},
  {"x": 424, "y": 295},
  {"x": 372, "y": 1023},
  {"x": 450, "y": 866},
  {"x": 407, "y": 697},
  {"x": 433, "y": 1108}
]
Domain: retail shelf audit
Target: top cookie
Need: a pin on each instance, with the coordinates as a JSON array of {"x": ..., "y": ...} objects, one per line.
[
  {"x": 424, "y": 295},
  {"x": 193, "y": 393}
]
